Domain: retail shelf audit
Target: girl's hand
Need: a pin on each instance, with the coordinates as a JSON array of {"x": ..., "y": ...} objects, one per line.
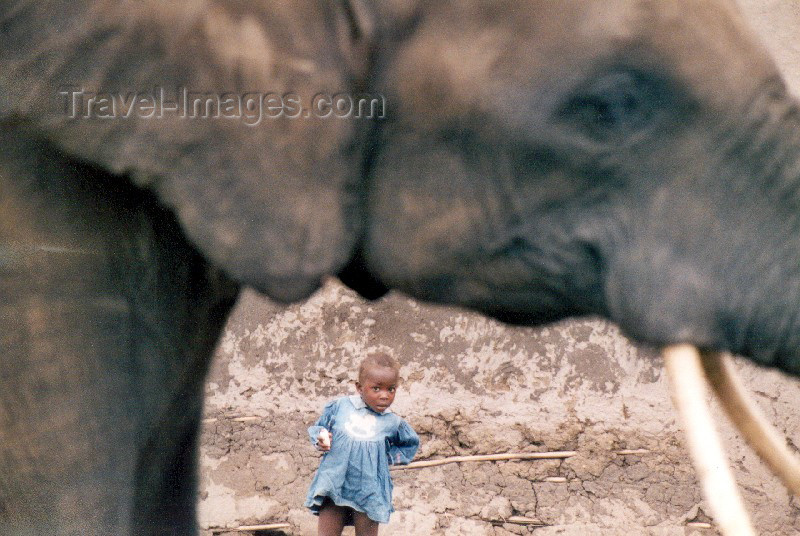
[{"x": 324, "y": 440}]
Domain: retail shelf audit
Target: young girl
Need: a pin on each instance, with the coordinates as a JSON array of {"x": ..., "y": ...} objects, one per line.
[{"x": 361, "y": 437}]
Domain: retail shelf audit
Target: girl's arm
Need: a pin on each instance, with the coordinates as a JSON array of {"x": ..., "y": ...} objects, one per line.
[
  {"x": 325, "y": 421},
  {"x": 403, "y": 445}
]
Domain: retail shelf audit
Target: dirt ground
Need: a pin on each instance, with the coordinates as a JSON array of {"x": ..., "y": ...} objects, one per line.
[{"x": 473, "y": 386}]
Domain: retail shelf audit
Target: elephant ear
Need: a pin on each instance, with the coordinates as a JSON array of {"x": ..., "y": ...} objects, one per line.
[{"x": 272, "y": 199}]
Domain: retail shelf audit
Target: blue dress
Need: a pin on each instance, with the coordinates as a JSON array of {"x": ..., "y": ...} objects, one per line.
[{"x": 355, "y": 472}]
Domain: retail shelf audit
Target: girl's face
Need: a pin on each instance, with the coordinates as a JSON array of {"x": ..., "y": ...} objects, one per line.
[{"x": 377, "y": 387}]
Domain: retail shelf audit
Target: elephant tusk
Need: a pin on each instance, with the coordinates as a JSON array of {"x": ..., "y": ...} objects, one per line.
[
  {"x": 749, "y": 420},
  {"x": 685, "y": 373}
]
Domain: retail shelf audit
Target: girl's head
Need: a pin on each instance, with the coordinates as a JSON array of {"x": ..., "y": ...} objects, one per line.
[{"x": 378, "y": 376}]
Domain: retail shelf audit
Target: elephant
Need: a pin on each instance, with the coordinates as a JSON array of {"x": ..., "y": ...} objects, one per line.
[{"x": 633, "y": 159}]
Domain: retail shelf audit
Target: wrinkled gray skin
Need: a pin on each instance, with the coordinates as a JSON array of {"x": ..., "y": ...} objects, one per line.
[{"x": 635, "y": 159}]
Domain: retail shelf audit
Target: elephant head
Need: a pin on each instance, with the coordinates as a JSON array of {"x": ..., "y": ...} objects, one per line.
[
  {"x": 634, "y": 160},
  {"x": 638, "y": 160}
]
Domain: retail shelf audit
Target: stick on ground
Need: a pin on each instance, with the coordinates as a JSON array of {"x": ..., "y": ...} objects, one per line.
[
  {"x": 490, "y": 458},
  {"x": 253, "y": 528}
]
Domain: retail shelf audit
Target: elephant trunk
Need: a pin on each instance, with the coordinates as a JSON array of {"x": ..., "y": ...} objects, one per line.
[{"x": 716, "y": 262}]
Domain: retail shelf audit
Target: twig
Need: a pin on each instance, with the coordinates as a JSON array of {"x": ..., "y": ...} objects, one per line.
[
  {"x": 253, "y": 528},
  {"x": 522, "y": 520},
  {"x": 240, "y": 418},
  {"x": 689, "y": 396},
  {"x": 516, "y": 520},
  {"x": 489, "y": 458}
]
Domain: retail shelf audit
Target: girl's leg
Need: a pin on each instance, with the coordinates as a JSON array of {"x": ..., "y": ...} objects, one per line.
[
  {"x": 331, "y": 519},
  {"x": 364, "y": 525}
]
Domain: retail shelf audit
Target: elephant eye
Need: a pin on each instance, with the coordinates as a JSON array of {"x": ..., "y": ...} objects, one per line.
[{"x": 614, "y": 106}]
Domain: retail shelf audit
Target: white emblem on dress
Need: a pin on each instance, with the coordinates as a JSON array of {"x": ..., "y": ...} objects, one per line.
[{"x": 361, "y": 426}]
